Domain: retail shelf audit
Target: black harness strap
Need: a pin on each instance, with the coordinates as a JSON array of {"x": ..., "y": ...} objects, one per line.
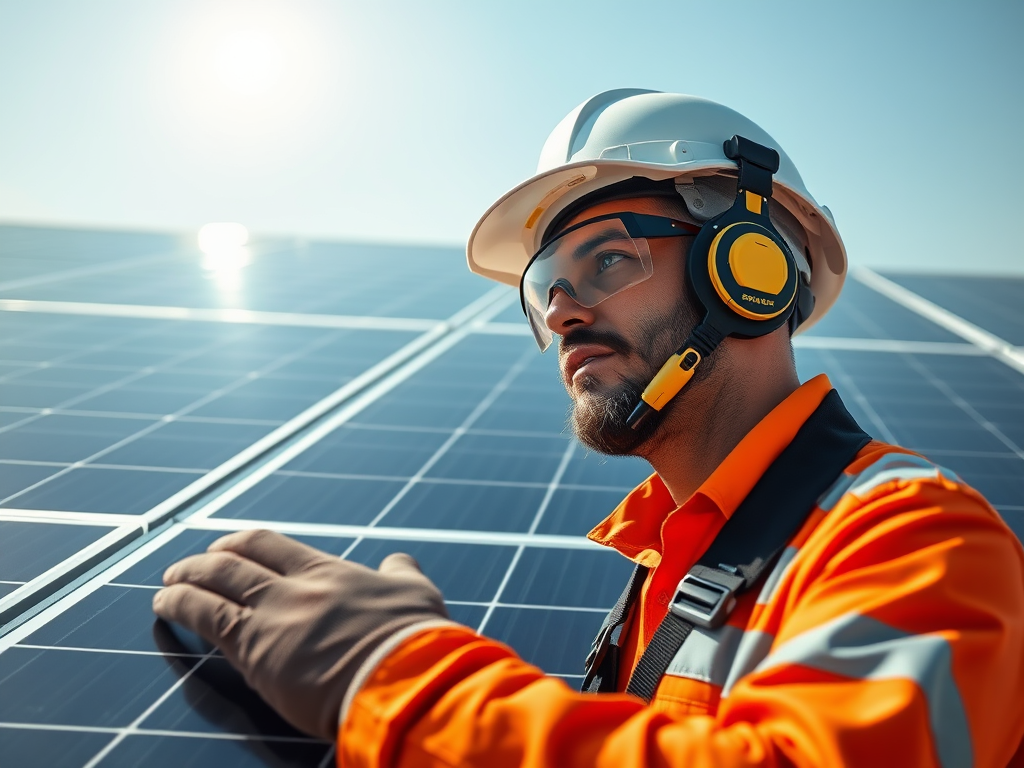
[
  {"x": 602, "y": 665},
  {"x": 744, "y": 549},
  {"x": 755, "y": 535}
]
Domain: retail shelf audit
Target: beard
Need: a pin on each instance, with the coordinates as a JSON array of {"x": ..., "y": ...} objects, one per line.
[{"x": 598, "y": 414}]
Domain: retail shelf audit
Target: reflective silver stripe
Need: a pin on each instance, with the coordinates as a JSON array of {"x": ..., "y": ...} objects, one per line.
[
  {"x": 771, "y": 584},
  {"x": 836, "y": 492},
  {"x": 863, "y": 648},
  {"x": 707, "y": 654},
  {"x": 891, "y": 466},
  {"x": 898, "y": 466},
  {"x": 753, "y": 649}
]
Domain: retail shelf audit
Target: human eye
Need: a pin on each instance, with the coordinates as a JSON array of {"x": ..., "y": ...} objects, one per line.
[{"x": 608, "y": 259}]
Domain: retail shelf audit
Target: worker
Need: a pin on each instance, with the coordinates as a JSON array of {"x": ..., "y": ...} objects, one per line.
[{"x": 802, "y": 595}]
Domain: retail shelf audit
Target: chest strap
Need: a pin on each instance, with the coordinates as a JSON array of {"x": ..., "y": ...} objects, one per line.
[{"x": 742, "y": 553}]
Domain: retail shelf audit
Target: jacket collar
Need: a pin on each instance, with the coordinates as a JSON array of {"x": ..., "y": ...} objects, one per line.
[{"x": 637, "y": 527}]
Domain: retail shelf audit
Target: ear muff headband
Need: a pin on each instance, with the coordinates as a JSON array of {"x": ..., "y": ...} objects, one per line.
[{"x": 741, "y": 271}]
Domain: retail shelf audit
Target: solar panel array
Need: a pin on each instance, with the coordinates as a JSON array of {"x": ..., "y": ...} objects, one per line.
[{"x": 366, "y": 399}]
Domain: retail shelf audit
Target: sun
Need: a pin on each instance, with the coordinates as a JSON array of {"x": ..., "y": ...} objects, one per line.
[
  {"x": 246, "y": 76},
  {"x": 249, "y": 62}
]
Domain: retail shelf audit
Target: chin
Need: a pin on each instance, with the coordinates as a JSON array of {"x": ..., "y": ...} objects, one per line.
[{"x": 598, "y": 417}]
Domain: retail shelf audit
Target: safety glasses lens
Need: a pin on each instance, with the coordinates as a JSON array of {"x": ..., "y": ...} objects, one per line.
[{"x": 589, "y": 264}]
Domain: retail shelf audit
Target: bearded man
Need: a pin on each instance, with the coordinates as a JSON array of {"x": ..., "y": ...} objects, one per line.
[{"x": 802, "y": 594}]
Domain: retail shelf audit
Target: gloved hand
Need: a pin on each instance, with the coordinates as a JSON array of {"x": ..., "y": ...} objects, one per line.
[{"x": 295, "y": 621}]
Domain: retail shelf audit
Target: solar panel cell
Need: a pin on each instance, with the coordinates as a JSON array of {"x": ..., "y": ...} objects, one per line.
[
  {"x": 108, "y": 619},
  {"x": 994, "y": 302},
  {"x": 160, "y": 751},
  {"x": 555, "y": 640},
  {"x": 32, "y": 748},
  {"x": 573, "y": 512},
  {"x": 505, "y": 457},
  {"x": 15, "y": 477},
  {"x": 194, "y": 445},
  {"x": 313, "y": 500},
  {"x": 215, "y": 699},
  {"x": 148, "y": 571},
  {"x": 463, "y": 572},
  {"x": 466, "y": 507},
  {"x": 356, "y": 450},
  {"x": 65, "y": 438},
  {"x": 84, "y": 688},
  {"x": 27, "y": 549},
  {"x": 92, "y": 489},
  {"x": 578, "y": 578}
]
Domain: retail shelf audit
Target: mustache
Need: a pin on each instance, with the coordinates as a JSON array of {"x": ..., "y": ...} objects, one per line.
[{"x": 581, "y": 336}]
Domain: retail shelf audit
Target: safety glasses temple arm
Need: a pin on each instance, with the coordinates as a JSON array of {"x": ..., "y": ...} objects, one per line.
[{"x": 646, "y": 225}]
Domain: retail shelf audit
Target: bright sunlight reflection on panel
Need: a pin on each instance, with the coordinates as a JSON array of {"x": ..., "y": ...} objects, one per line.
[{"x": 225, "y": 254}]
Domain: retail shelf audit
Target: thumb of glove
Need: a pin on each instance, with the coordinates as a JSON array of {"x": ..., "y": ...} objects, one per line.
[{"x": 400, "y": 564}]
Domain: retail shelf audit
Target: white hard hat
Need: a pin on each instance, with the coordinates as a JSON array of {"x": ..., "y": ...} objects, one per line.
[{"x": 620, "y": 134}]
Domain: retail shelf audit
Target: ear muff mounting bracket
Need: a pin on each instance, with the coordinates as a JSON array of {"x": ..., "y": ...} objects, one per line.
[{"x": 741, "y": 271}]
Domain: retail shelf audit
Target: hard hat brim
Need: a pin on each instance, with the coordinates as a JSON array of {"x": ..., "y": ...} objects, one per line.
[{"x": 508, "y": 234}]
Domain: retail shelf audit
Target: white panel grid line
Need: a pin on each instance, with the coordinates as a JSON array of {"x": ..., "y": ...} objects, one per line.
[
  {"x": 117, "y": 341},
  {"x": 133, "y": 727},
  {"x": 851, "y": 386},
  {"x": 498, "y": 300},
  {"x": 96, "y": 269},
  {"x": 496, "y": 391},
  {"x": 993, "y": 345},
  {"x": 413, "y": 364},
  {"x": 9, "y": 514},
  {"x": 481, "y": 407},
  {"x": 235, "y": 316},
  {"x": 113, "y": 651},
  {"x": 449, "y": 481},
  {"x": 112, "y": 730},
  {"x": 887, "y": 346},
  {"x": 148, "y": 468},
  {"x": 844, "y": 343},
  {"x": 966, "y": 407},
  {"x": 143, "y": 416},
  {"x": 517, "y": 556},
  {"x": 194, "y": 405},
  {"x": 51, "y": 612},
  {"x": 277, "y": 435},
  {"x": 92, "y": 553},
  {"x": 442, "y": 535},
  {"x": 35, "y": 463},
  {"x": 137, "y": 374}
]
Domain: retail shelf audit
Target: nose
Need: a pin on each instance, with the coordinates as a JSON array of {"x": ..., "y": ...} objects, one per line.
[{"x": 564, "y": 313}]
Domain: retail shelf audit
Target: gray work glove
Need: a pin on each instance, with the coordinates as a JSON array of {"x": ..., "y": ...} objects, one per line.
[{"x": 295, "y": 621}]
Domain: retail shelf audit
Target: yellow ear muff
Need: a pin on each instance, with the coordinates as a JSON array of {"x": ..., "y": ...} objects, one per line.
[
  {"x": 757, "y": 262},
  {"x": 753, "y": 274}
]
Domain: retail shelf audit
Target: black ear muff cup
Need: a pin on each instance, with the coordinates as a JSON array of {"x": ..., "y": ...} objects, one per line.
[{"x": 743, "y": 273}]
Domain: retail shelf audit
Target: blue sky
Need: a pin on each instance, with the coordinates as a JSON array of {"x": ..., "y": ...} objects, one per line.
[{"x": 403, "y": 121}]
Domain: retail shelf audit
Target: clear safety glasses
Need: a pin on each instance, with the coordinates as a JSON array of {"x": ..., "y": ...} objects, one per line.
[{"x": 591, "y": 261}]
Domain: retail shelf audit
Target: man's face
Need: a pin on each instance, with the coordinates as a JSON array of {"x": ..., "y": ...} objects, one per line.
[{"x": 609, "y": 352}]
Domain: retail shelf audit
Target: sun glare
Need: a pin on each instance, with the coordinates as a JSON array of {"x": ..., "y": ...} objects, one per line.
[
  {"x": 249, "y": 62},
  {"x": 225, "y": 254},
  {"x": 245, "y": 78}
]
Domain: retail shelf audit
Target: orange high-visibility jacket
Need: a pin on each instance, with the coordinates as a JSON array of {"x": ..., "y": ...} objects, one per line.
[{"x": 890, "y": 633}]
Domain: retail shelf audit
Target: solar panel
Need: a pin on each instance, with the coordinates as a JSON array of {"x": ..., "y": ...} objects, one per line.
[{"x": 366, "y": 399}]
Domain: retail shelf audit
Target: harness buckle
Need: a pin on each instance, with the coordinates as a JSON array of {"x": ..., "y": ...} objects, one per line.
[{"x": 702, "y": 602}]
